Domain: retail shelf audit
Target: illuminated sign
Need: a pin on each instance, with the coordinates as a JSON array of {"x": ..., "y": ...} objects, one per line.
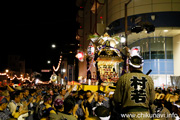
[{"x": 45, "y": 70}]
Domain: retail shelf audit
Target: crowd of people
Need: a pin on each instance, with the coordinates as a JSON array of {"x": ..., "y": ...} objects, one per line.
[
  {"x": 58, "y": 103},
  {"x": 133, "y": 98}
]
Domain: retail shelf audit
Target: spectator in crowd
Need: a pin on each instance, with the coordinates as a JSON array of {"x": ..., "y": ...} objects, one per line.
[
  {"x": 3, "y": 105},
  {"x": 63, "y": 94},
  {"x": 36, "y": 99},
  {"x": 69, "y": 104},
  {"x": 40, "y": 109},
  {"x": 111, "y": 103},
  {"x": 79, "y": 100},
  {"x": 46, "y": 109},
  {"x": 74, "y": 94},
  {"x": 158, "y": 108},
  {"x": 32, "y": 106},
  {"x": 59, "y": 105},
  {"x": 79, "y": 106},
  {"x": 59, "y": 108},
  {"x": 6, "y": 94},
  {"x": 88, "y": 94},
  {"x": 89, "y": 101},
  {"x": 55, "y": 91},
  {"x": 15, "y": 108},
  {"x": 101, "y": 100},
  {"x": 26, "y": 97}
]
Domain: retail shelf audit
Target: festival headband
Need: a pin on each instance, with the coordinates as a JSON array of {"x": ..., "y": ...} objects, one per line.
[
  {"x": 105, "y": 118},
  {"x": 101, "y": 94}
]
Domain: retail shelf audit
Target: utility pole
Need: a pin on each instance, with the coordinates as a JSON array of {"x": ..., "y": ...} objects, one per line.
[
  {"x": 126, "y": 22},
  {"x": 126, "y": 36},
  {"x": 96, "y": 16}
]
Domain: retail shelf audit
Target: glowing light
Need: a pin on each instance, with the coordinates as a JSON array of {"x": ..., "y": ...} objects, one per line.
[
  {"x": 2, "y": 73},
  {"x": 77, "y": 37},
  {"x": 15, "y": 76},
  {"x": 63, "y": 70},
  {"x": 62, "y": 81},
  {"x": 45, "y": 70},
  {"x": 80, "y": 55},
  {"x": 48, "y": 61},
  {"x": 7, "y": 70},
  {"x": 123, "y": 39},
  {"x": 36, "y": 81},
  {"x": 53, "y": 46},
  {"x": 165, "y": 30},
  {"x": 56, "y": 69}
]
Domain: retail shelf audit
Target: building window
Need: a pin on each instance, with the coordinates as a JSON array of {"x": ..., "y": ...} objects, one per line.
[
  {"x": 157, "y": 55},
  {"x": 145, "y": 55},
  {"x": 169, "y": 48},
  {"x": 155, "y": 48},
  {"x": 169, "y": 54}
]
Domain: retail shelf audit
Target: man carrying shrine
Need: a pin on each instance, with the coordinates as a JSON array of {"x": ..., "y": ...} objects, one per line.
[{"x": 134, "y": 92}]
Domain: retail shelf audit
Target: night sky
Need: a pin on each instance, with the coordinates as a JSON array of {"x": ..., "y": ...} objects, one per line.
[{"x": 31, "y": 28}]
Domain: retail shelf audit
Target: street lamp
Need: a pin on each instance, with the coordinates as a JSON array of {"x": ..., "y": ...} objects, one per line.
[
  {"x": 53, "y": 46},
  {"x": 63, "y": 70},
  {"x": 6, "y": 70},
  {"x": 48, "y": 61}
]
